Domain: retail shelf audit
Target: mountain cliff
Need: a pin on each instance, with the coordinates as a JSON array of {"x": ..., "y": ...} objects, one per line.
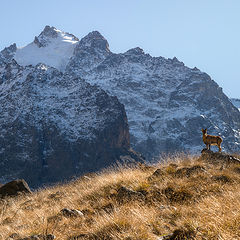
[
  {"x": 166, "y": 102},
  {"x": 54, "y": 126}
]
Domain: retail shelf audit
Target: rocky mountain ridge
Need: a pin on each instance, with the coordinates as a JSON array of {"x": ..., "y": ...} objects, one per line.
[{"x": 166, "y": 102}]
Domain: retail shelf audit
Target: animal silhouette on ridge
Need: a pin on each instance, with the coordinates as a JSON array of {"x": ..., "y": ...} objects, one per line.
[{"x": 211, "y": 140}]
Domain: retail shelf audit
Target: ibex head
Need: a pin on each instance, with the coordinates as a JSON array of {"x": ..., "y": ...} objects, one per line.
[{"x": 204, "y": 131}]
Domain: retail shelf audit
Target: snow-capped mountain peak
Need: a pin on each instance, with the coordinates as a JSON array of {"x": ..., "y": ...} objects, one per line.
[
  {"x": 50, "y": 33},
  {"x": 45, "y": 36},
  {"x": 52, "y": 47},
  {"x": 55, "y": 48}
]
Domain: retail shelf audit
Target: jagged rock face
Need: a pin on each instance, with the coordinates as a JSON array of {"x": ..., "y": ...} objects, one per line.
[
  {"x": 8, "y": 53},
  {"x": 236, "y": 102},
  {"x": 88, "y": 53},
  {"x": 54, "y": 127}
]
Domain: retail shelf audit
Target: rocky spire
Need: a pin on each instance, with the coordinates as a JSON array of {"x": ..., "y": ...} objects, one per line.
[
  {"x": 7, "y": 53},
  {"x": 49, "y": 33},
  {"x": 96, "y": 40}
]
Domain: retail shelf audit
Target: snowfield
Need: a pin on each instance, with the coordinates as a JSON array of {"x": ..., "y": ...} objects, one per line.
[{"x": 56, "y": 51}]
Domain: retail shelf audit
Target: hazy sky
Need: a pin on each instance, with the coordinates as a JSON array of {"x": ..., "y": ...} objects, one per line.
[{"x": 201, "y": 33}]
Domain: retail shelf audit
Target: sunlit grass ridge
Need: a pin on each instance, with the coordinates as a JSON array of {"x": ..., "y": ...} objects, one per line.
[{"x": 187, "y": 195}]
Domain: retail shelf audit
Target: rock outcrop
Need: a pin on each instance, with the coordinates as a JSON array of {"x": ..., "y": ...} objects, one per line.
[
  {"x": 14, "y": 188},
  {"x": 223, "y": 158}
]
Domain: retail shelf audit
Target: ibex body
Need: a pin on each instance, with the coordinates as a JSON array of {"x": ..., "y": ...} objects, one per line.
[{"x": 211, "y": 140}]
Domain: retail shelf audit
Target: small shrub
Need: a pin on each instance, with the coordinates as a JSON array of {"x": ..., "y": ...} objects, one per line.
[
  {"x": 180, "y": 196},
  {"x": 222, "y": 178},
  {"x": 170, "y": 170}
]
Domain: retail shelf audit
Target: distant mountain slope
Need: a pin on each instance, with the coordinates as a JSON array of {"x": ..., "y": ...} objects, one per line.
[{"x": 166, "y": 102}]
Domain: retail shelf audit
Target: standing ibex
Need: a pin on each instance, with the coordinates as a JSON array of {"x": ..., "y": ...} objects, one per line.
[{"x": 211, "y": 140}]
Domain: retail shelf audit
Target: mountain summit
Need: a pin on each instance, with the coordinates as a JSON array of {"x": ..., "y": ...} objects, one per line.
[
  {"x": 45, "y": 36},
  {"x": 52, "y": 47},
  {"x": 95, "y": 40}
]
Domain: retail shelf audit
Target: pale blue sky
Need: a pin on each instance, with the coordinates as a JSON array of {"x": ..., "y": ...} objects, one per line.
[{"x": 201, "y": 33}]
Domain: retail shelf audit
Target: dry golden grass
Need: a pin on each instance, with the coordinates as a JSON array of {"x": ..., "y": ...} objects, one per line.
[{"x": 189, "y": 194}]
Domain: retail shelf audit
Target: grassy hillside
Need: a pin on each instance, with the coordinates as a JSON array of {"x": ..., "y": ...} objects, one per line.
[{"x": 187, "y": 197}]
